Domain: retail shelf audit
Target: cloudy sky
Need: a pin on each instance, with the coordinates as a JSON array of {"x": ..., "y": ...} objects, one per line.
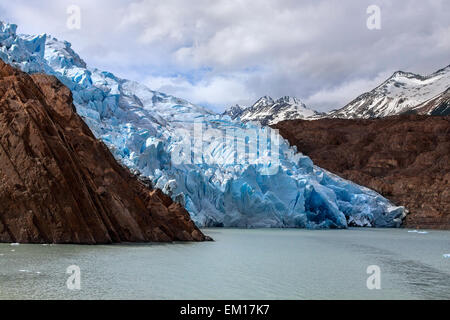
[{"x": 221, "y": 52}]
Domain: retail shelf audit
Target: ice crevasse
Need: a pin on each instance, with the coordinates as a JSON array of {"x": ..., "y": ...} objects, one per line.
[{"x": 221, "y": 187}]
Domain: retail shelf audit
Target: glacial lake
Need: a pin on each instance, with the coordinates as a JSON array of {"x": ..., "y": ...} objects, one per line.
[{"x": 240, "y": 264}]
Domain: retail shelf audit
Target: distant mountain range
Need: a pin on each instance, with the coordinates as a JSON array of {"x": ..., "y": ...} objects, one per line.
[
  {"x": 269, "y": 111},
  {"x": 402, "y": 93}
]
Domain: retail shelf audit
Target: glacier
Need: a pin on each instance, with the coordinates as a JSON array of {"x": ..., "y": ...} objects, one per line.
[{"x": 223, "y": 180}]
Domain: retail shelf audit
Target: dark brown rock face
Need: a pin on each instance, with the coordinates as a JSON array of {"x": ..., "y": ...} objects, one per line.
[
  {"x": 58, "y": 184},
  {"x": 404, "y": 158}
]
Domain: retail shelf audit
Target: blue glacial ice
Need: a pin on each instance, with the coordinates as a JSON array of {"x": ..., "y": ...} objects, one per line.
[{"x": 222, "y": 181}]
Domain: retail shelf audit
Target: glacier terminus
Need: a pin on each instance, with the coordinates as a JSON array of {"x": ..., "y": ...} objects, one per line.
[{"x": 236, "y": 175}]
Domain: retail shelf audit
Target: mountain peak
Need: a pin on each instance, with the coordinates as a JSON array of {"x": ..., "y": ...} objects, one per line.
[
  {"x": 290, "y": 100},
  {"x": 234, "y": 111},
  {"x": 267, "y": 111},
  {"x": 402, "y": 93},
  {"x": 404, "y": 74},
  {"x": 263, "y": 101}
]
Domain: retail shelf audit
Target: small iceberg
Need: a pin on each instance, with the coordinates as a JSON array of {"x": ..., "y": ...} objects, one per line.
[
  {"x": 447, "y": 255},
  {"x": 417, "y": 231},
  {"x": 15, "y": 244}
]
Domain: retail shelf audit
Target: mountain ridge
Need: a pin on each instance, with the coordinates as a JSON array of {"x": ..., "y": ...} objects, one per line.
[
  {"x": 268, "y": 111},
  {"x": 371, "y": 104},
  {"x": 403, "y": 92}
]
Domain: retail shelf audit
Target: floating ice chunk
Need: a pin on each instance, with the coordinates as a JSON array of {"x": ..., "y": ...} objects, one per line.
[
  {"x": 417, "y": 231},
  {"x": 15, "y": 244},
  {"x": 447, "y": 255}
]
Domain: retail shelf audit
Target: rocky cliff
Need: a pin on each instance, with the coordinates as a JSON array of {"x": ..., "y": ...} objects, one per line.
[
  {"x": 405, "y": 158},
  {"x": 58, "y": 184}
]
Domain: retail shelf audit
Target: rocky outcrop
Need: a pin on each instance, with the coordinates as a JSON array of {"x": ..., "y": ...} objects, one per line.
[
  {"x": 404, "y": 158},
  {"x": 58, "y": 184}
]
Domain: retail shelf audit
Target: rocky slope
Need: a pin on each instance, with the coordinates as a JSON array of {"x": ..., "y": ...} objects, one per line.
[
  {"x": 438, "y": 106},
  {"x": 403, "y": 92},
  {"x": 405, "y": 158},
  {"x": 58, "y": 184},
  {"x": 268, "y": 111}
]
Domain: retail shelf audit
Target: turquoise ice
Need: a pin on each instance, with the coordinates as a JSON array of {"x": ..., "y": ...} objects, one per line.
[{"x": 144, "y": 129}]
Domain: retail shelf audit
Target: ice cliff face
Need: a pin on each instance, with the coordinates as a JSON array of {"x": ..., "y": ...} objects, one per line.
[
  {"x": 268, "y": 111},
  {"x": 225, "y": 172}
]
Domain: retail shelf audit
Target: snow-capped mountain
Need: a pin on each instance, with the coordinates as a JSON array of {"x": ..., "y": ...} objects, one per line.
[
  {"x": 235, "y": 111},
  {"x": 402, "y": 93},
  {"x": 207, "y": 162},
  {"x": 268, "y": 111}
]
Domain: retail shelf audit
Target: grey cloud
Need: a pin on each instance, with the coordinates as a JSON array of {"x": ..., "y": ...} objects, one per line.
[{"x": 227, "y": 51}]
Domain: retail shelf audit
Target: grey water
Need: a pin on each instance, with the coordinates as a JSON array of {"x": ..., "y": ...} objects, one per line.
[{"x": 240, "y": 264}]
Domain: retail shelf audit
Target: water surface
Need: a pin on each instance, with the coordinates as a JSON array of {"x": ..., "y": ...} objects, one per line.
[{"x": 240, "y": 264}]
